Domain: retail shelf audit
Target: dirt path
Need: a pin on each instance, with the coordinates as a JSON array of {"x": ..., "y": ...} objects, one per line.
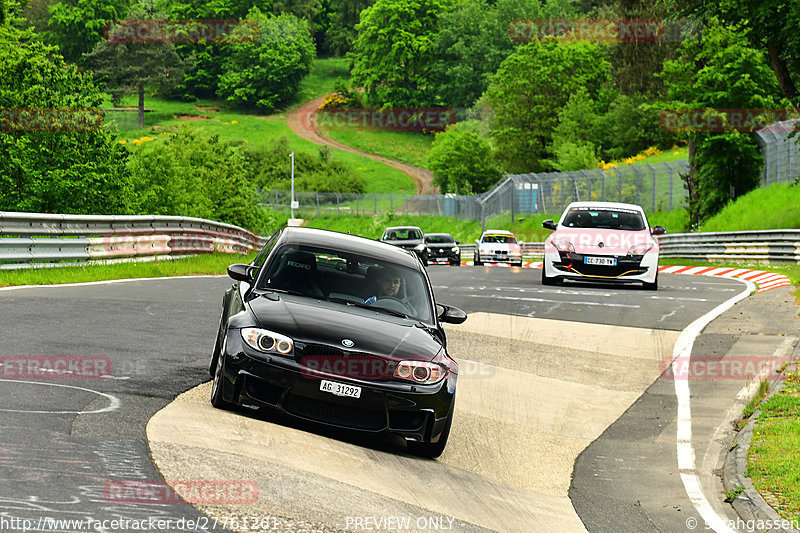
[{"x": 298, "y": 121}]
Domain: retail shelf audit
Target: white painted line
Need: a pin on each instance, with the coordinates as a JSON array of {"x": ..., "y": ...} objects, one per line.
[
  {"x": 682, "y": 355},
  {"x": 113, "y": 401},
  {"x": 108, "y": 282}
]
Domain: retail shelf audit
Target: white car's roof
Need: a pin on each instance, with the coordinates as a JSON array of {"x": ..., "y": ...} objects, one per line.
[
  {"x": 617, "y": 205},
  {"x": 497, "y": 232}
]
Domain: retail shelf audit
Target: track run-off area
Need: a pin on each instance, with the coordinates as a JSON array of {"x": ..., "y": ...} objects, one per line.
[{"x": 569, "y": 415}]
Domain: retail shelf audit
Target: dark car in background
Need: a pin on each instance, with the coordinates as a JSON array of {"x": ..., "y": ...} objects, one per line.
[
  {"x": 309, "y": 329},
  {"x": 442, "y": 248},
  {"x": 408, "y": 237}
]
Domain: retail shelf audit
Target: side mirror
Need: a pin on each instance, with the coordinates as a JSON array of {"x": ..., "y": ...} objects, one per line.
[
  {"x": 458, "y": 242},
  {"x": 659, "y": 230},
  {"x": 241, "y": 272},
  {"x": 451, "y": 315},
  {"x": 549, "y": 224}
]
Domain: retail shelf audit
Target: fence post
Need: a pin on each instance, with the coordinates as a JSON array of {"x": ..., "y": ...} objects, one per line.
[
  {"x": 513, "y": 187},
  {"x": 317, "y": 195},
  {"x": 357, "y": 196},
  {"x": 338, "y": 209},
  {"x": 653, "y": 170},
  {"x": 376, "y": 203},
  {"x": 636, "y": 173}
]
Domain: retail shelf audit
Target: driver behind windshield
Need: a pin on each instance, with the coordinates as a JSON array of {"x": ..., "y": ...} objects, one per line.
[{"x": 389, "y": 284}]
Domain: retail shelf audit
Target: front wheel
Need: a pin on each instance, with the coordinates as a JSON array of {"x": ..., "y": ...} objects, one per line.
[
  {"x": 651, "y": 286},
  {"x": 217, "y": 399},
  {"x": 432, "y": 450},
  {"x": 477, "y": 261},
  {"x": 547, "y": 280}
]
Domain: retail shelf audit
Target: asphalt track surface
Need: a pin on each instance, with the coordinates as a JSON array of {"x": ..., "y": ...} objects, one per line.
[{"x": 64, "y": 440}]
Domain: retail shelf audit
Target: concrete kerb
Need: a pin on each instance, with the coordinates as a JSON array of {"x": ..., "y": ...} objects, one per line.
[{"x": 750, "y": 505}]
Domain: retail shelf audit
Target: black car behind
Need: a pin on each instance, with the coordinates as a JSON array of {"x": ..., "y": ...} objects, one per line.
[{"x": 442, "y": 248}]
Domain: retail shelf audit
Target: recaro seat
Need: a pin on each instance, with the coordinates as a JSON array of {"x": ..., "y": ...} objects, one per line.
[{"x": 298, "y": 274}]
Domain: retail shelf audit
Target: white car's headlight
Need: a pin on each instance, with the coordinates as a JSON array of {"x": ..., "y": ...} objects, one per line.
[
  {"x": 640, "y": 249},
  {"x": 456, "y": 249},
  {"x": 420, "y": 372},
  {"x": 420, "y": 247},
  {"x": 268, "y": 341},
  {"x": 563, "y": 245}
]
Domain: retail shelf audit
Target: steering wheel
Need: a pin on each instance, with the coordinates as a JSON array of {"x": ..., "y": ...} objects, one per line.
[{"x": 394, "y": 304}]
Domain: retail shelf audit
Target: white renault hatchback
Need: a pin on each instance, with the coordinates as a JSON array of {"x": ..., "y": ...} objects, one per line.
[{"x": 601, "y": 241}]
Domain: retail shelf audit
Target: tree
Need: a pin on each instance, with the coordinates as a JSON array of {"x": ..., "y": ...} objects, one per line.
[
  {"x": 394, "y": 54},
  {"x": 344, "y": 16},
  {"x": 462, "y": 160},
  {"x": 770, "y": 26},
  {"x": 55, "y": 162},
  {"x": 722, "y": 71},
  {"x": 75, "y": 26},
  {"x": 129, "y": 68},
  {"x": 529, "y": 89},
  {"x": 267, "y": 72}
]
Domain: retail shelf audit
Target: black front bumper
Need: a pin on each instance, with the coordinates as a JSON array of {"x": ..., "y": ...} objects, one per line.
[
  {"x": 627, "y": 265},
  {"x": 415, "y": 412}
]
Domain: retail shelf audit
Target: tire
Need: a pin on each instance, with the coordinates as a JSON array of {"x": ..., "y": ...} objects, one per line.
[
  {"x": 518, "y": 264},
  {"x": 651, "y": 286},
  {"x": 432, "y": 450},
  {"x": 477, "y": 261},
  {"x": 455, "y": 263},
  {"x": 217, "y": 350},
  {"x": 217, "y": 399},
  {"x": 546, "y": 280}
]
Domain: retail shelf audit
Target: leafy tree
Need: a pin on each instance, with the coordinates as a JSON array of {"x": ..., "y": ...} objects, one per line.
[
  {"x": 129, "y": 68},
  {"x": 720, "y": 72},
  {"x": 474, "y": 38},
  {"x": 267, "y": 72},
  {"x": 341, "y": 32},
  {"x": 529, "y": 89},
  {"x": 462, "y": 160},
  {"x": 771, "y": 26},
  {"x": 75, "y": 26},
  {"x": 80, "y": 169},
  {"x": 394, "y": 54}
]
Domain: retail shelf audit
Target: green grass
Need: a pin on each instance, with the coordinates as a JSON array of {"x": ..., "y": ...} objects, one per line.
[
  {"x": 404, "y": 146},
  {"x": 774, "y": 207},
  {"x": 187, "y": 266},
  {"x": 255, "y": 129},
  {"x": 791, "y": 270},
  {"x": 773, "y": 462},
  {"x": 322, "y": 78}
]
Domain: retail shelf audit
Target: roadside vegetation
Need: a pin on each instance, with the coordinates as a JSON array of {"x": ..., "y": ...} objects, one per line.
[{"x": 773, "y": 449}]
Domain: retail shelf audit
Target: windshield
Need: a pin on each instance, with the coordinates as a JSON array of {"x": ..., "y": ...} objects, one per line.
[
  {"x": 402, "y": 234},
  {"x": 508, "y": 239},
  {"x": 604, "y": 218},
  {"x": 439, "y": 239},
  {"x": 349, "y": 279}
]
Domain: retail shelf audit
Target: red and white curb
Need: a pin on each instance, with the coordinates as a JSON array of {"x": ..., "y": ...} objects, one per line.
[{"x": 763, "y": 279}]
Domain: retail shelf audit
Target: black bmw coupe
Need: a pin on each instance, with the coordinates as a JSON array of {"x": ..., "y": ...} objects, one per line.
[{"x": 339, "y": 330}]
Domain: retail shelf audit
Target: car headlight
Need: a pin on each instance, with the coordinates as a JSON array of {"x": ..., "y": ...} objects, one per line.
[
  {"x": 420, "y": 372},
  {"x": 485, "y": 251},
  {"x": 563, "y": 245},
  {"x": 456, "y": 249},
  {"x": 420, "y": 247},
  {"x": 268, "y": 341},
  {"x": 640, "y": 249}
]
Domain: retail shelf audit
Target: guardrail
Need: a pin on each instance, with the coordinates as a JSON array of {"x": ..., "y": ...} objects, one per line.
[
  {"x": 30, "y": 240},
  {"x": 764, "y": 246}
]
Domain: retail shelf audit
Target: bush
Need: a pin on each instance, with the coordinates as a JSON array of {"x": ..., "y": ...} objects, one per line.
[
  {"x": 194, "y": 174},
  {"x": 266, "y": 73},
  {"x": 270, "y": 168},
  {"x": 462, "y": 161}
]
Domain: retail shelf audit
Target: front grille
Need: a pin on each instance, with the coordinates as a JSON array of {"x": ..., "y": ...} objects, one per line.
[
  {"x": 336, "y": 414},
  {"x": 322, "y": 350}
]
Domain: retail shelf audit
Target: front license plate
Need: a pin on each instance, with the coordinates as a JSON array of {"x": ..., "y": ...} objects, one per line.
[
  {"x": 605, "y": 261},
  {"x": 340, "y": 389}
]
